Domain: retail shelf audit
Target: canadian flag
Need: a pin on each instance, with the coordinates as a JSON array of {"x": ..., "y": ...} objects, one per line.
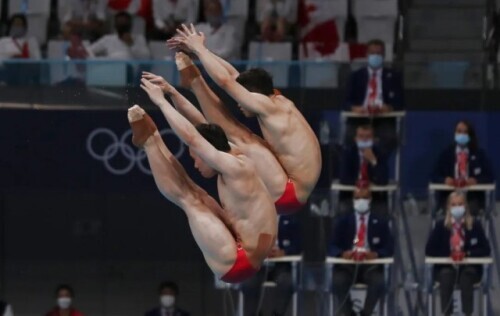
[{"x": 317, "y": 25}]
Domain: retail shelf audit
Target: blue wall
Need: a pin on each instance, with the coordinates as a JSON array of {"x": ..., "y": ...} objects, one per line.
[{"x": 427, "y": 134}]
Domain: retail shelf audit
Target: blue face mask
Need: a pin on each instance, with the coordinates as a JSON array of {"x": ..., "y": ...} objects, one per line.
[
  {"x": 375, "y": 61},
  {"x": 363, "y": 144},
  {"x": 462, "y": 139}
]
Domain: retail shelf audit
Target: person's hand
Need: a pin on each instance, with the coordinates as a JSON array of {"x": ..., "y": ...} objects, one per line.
[
  {"x": 276, "y": 252},
  {"x": 471, "y": 181},
  {"x": 370, "y": 255},
  {"x": 127, "y": 39},
  {"x": 369, "y": 155},
  {"x": 359, "y": 109},
  {"x": 166, "y": 87},
  {"x": 347, "y": 254},
  {"x": 175, "y": 44},
  {"x": 449, "y": 181},
  {"x": 195, "y": 41},
  {"x": 154, "y": 92}
]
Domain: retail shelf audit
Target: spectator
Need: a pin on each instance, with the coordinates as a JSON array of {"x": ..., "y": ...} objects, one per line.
[
  {"x": 276, "y": 17},
  {"x": 169, "y": 14},
  {"x": 220, "y": 36},
  {"x": 123, "y": 44},
  {"x": 64, "y": 296},
  {"x": 129, "y": 6},
  {"x": 376, "y": 89},
  {"x": 363, "y": 164},
  {"x": 87, "y": 17},
  {"x": 18, "y": 46},
  {"x": 463, "y": 163},
  {"x": 372, "y": 239},
  {"x": 168, "y": 291},
  {"x": 289, "y": 243},
  {"x": 5, "y": 309},
  {"x": 317, "y": 25},
  {"x": 458, "y": 236}
]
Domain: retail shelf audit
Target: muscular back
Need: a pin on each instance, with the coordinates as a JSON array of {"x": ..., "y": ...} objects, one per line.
[
  {"x": 294, "y": 143},
  {"x": 252, "y": 209}
]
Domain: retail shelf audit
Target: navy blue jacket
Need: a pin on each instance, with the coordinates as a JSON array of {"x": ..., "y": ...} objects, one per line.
[
  {"x": 476, "y": 244},
  {"x": 350, "y": 164},
  {"x": 380, "y": 239},
  {"x": 157, "y": 312},
  {"x": 479, "y": 166},
  {"x": 392, "y": 88},
  {"x": 289, "y": 238}
]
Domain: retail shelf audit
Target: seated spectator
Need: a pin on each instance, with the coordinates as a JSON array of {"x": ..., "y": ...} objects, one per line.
[
  {"x": 289, "y": 243},
  {"x": 18, "y": 46},
  {"x": 376, "y": 89},
  {"x": 168, "y": 291},
  {"x": 316, "y": 21},
  {"x": 363, "y": 164},
  {"x": 64, "y": 296},
  {"x": 5, "y": 309},
  {"x": 458, "y": 236},
  {"x": 88, "y": 17},
  {"x": 129, "y": 6},
  {"x": 463, "y": 163},
  {"x": 122, "y": 44},
  {"x": 169, "y": 14},
  {"x": 220, "y": 36},
  {"x": 360, "y": 235},
  {"x": 276, "y": 17}
]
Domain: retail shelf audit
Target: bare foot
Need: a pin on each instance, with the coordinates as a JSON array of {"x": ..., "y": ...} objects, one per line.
[
  {"x": 182, "y": 60},
  {"x": 187, "y": 69},
  {"x": 142, "y": 125}
]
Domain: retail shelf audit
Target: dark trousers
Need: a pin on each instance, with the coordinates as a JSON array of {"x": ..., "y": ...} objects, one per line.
[
  {"x": 447, "y": 278},
  {"x": 252, "y": 289},
  {"x": 384, "y": 128},
  {"x": 343, "y": 279}
]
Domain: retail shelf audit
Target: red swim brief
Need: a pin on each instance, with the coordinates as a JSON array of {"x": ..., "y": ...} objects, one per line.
[
  {"x": 241, "y": 270},
  {"x": 288, "y": 202}
]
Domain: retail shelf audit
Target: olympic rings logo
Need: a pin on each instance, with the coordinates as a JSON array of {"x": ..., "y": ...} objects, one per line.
[{"x": 119, "y": 146}]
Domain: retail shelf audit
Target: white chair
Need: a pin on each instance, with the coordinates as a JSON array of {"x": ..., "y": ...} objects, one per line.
[
  {"x": 139, "y": 25},
  {"x": 29, "y": 7},
  {"x": 376, "y": 19},
  {"x": 321, "y": 71},
  {"x": 263, "y": 54},
  {"x": 164, "y": 64},
  {"x": 340, "y": 10}
]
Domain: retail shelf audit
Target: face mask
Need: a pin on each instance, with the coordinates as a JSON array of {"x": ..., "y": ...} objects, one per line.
[
  {"x": 214, "y": 20},
  {"x": 462, "y": 139},
  {"x": 375, "y": 60},
  {"x": 64, "y": 302},
  {"x": 363, "y": 144},
  {"x": 123, "y": 28},
  {"x": 17, "y": 31},
  {"x": 457, "y": 211},
  {"x": 167, "y": 300},
  {"x": 361, "y": 205}
]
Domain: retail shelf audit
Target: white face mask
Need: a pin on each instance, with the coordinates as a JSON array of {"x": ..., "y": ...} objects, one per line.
[
  {"x": 64, "y": 302},
  {"x": 167, "y": 300},
  {"x": 361, "y": 205},
  {"x": 457, "y": 211}
]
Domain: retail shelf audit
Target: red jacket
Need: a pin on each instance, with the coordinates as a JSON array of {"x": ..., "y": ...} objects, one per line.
[{"x": 55, "y": 312}]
